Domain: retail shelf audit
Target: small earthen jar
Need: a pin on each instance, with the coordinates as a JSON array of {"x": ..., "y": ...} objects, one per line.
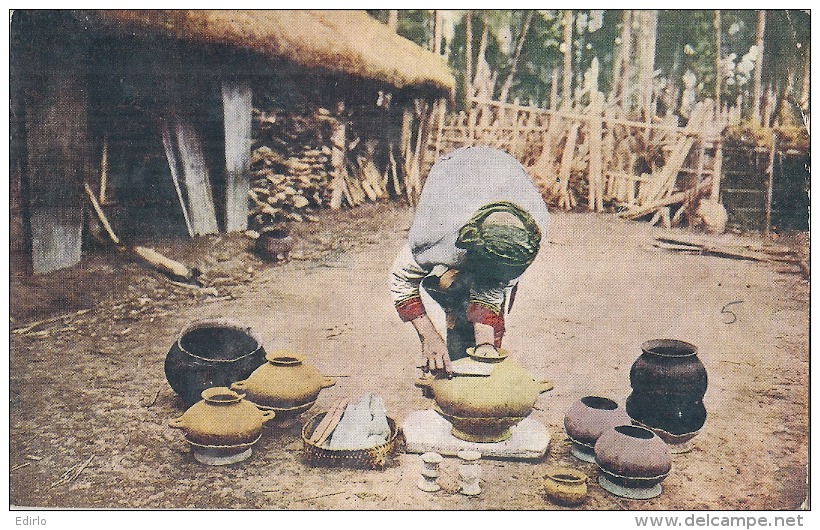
[{"x": 565, "y": 486}]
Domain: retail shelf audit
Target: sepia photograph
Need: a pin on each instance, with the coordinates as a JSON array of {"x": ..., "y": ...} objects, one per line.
[{"x": 410, "y": 260}]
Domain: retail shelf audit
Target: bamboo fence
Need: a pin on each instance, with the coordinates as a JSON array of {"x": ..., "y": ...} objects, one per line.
[{"x": 590, "y": 155}]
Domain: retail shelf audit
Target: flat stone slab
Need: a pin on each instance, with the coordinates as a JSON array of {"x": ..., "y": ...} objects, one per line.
[{"x": 427, "y": 430}]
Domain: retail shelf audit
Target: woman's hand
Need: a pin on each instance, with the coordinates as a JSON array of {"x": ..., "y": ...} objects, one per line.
[{"x": 434, "y": 356}]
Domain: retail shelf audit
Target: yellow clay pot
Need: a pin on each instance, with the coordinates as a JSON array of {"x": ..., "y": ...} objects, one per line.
[
  {"x": 484, "y": 408},
  {"x": 223, "y": 418},
  {"x": 285, "y": 383},
  {"x": 565, "y": 486}
]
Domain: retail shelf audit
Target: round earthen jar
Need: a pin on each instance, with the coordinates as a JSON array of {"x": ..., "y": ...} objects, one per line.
[
  {"x": 210, "y": 353},
  {"x": 633, "y": 461},
  {"x": 484, "y": 408},
  {"x": 285, "y": 383},
  {"x": 587, "y": 418},
  {"x": 668, "y": 385},
  {"x": 221, "y": 419}
]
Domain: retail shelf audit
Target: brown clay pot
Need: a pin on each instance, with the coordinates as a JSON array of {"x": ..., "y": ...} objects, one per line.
[
  {"x": 565, "y": 486},
  {"x": 285, "y": 384},
  {"x": 222, "y": 419},
  {"x": 587, "y": 418},
  {"x": 275, "y": 244},
  {"x": 633, "y": 461},
  {"x": 483, "y": 409}
]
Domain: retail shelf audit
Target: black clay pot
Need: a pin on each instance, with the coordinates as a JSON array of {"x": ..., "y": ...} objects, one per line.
[
  {"x": 671, "y": 413},
  {"x": 670, "y": 366},
  {"x": 211, "y": 353},
  {"x": 668, "y": 385}
]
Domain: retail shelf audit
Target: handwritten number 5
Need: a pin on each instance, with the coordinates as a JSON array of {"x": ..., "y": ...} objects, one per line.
[{"x": 726, "y": 311}]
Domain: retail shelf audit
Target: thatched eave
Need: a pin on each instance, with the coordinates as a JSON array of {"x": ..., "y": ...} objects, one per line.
[{"x": 343, "y": 41}]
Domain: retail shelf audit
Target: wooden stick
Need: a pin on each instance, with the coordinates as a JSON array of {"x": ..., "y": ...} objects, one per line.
[
  {"x": 667, "y": 201},
  {"x": 101, "y": 215},
  {"x": 442, "y": 108},
  {"x": 394, "y": 170},
  {"x": 328, "y": 423},
  {"x": 104, "y": 169},
  {"x": 319, "y": 496},
  {"x": 31, "y": 325},
  {"x": 172, "y": 165},
  {"x": 164, "y": 264},
  {"x": 717, "y": 172},
  {"x": 566, "y": 167},
  {"x": 67, "y": 477}
]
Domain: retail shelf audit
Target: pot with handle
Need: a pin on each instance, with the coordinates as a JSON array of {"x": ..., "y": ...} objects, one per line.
[
  {"x": 485, "y": 408},
  {"x": 285, "y": 384}
]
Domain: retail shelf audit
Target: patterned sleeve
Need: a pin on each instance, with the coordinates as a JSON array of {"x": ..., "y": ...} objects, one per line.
[
  {"x": 486, "y": 306},
  {"x": 405, "y": 278}
]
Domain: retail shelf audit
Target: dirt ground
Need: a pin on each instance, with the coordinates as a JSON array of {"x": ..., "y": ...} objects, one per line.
[{"x": 89, "y": 403}]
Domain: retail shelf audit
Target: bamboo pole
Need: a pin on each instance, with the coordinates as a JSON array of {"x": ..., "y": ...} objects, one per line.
[
  {"x": 595, "y": 153},
  {"x": 718, "y": 72},
  {"x": 757, "y": 94}
]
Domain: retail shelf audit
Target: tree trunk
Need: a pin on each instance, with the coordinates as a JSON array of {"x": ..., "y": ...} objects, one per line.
[
  {"x": 468, "y": 58},
  {"x": 438, "y": 31},
  {"x": 483, "y": 81},
  {"x": 393, "y": 19},
  {"x": 566, "y": 90},
  {"x": 649, "y": 24},
  {"x": 619, "y": 71},
  {"x": 757, "y": 89},
  {"x": 718, "y": 70},
  {"x": 505, "y": 88}
]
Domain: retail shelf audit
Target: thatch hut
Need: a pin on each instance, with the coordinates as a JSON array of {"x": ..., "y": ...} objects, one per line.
[{"x": 158, "y": 112}]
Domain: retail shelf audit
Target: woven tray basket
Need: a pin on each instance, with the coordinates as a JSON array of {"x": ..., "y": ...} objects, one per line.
[{"x": 368, "y": 458}]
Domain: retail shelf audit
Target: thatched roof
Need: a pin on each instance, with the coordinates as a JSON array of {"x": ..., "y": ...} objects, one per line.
[{"x": 349, "y": 42}]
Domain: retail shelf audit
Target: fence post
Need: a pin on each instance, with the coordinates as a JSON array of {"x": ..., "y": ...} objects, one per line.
[
  {"x": 717, "y": 170},
  {"x": 769, "y": 185}
]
